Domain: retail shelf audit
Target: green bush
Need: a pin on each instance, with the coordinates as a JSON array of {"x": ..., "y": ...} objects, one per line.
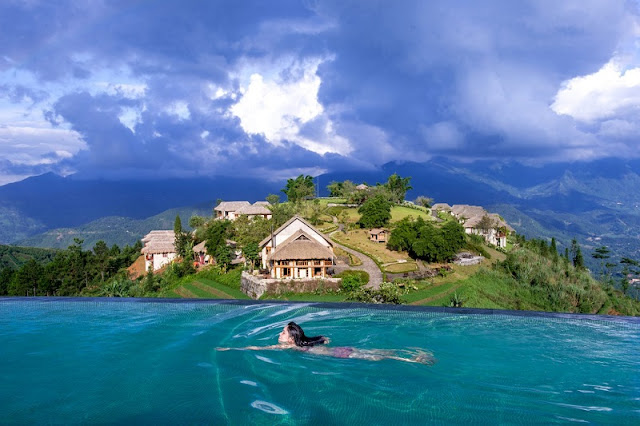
[
  {"x": 350, "y": 283},
  {"x": 456, "y": 301},
  {"x": 475, "y": 243},
  {"x": 362, "y": 275},
  {"x": 388, "y": 293}
]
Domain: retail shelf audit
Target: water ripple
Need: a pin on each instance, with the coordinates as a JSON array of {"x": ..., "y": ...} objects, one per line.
[{"x": 268, "y": 407}]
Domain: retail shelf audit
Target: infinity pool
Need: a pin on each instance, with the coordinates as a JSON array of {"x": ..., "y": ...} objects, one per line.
[{"x": 145, "y": 361}]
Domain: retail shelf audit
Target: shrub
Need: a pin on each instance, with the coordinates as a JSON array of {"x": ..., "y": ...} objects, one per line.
[
  {"x": 456, "y": 301},
  {"x": 475, "y": 243},
  {"x": 388, "y": 293},
  {"x": 350, "y": 283},
  {"x": 362, "y": 275}
]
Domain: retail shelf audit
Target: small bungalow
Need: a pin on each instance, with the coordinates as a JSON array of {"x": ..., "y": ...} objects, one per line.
[
  {"x": 297, "y": 250},
  {"x": 159, "y": 249},
  {"x": 378, "y": 235},
  {"x": 200, "y": 254},
  {"x": 495, "y": 235},
  {"x": 230, "y": 210},
  {"x": 227, "y": 209},
  {"x": 258, "y": 209},
  {"x": 362, "y": 187}
]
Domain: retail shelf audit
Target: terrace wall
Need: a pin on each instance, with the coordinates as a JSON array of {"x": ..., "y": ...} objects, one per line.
[{"x": 256, "y": 286}]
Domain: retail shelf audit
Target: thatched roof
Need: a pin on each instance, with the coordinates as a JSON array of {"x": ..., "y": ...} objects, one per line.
[
  {"x": 289, "y": 222},
  {"x": 441, "y": 206},
  {"x": 231, "y": 206},
  {"x": 253, "y": 209},
  {"x": 159, "y": 242},
  {"x": 465, "y": 210},
  {"x": 495, "y": 219},
  {"x": 301, "y": 246},
  {"x": 377, "y": 231},
  {"x": 200, "y": 247}
]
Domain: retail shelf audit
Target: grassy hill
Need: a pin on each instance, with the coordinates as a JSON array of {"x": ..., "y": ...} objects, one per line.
[{"x": 523, "y": 279}]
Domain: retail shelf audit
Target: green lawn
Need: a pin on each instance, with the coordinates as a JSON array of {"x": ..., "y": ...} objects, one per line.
[
  {"x": 429, "y": 291},
  {"x": 209, "y": 285},
  {"x": 360, "y": 240},
  {"x": 398, "y": 268},
  {"x": 400, "y": 212}
]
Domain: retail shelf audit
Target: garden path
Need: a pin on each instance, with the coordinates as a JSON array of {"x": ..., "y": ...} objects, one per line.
[{"x": 368, "y": 265}]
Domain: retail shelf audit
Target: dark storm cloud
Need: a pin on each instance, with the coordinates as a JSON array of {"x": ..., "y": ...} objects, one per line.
[{"x": 149, "y": 85}]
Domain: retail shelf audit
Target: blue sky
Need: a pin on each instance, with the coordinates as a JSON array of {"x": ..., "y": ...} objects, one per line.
[{"x": 278, "y": 88}]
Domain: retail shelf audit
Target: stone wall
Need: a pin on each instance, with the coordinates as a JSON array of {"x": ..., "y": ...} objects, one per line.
[{"x": 256, "y": 286}]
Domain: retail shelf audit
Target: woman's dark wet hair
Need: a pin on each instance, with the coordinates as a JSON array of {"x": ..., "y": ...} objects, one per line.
[{"x": 299, "y": 337}]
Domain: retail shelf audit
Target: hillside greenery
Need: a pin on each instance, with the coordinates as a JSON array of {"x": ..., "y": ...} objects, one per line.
[
  {"x": 117, "y": 230},
  {"x": 14, "y": 257},
  {"x": 532, "y": 275}
]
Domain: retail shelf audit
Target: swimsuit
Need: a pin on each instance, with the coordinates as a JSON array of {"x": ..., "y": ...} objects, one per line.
[{"x": 342, "y": 352}]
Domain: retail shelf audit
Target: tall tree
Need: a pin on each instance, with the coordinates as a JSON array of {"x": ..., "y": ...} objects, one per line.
[
  {"x": 216, "y": 234},
  {"x": 424, "y": 201},
  {"x": 300, "y": 188},
  {"x": 183, "y": 242},
  {"x": 251, "y": 253},
  {"x": 486, "y": 224},
  {"x": 273, "y": 199},
  {"x": 398, "y": 187},
  {"x": 601, "y": 254},
  {"x": 375, "y": 212},
  {"x": 101, "y": 256},
  {"x": 335, "y": 189},
  {"x": 576, "y": 253}
]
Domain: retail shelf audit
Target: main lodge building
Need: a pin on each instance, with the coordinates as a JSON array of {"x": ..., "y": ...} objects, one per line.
[{"x": 297, "y": 250}]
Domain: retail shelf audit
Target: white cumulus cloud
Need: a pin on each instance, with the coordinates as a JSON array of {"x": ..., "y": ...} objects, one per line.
[
  {"x": 610, "y": 92},
  {"x": 278, "y": 108},
  {"x": 35, "y": 146}
]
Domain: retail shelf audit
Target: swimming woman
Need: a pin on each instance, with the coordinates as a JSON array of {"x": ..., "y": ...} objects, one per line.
[{"x": 292, "y": 337}]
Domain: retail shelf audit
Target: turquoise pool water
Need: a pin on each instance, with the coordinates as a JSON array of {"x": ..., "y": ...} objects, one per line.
[{"x": 102, "y": 361}]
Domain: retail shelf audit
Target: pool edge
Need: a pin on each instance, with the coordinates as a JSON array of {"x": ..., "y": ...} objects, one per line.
[{"x": 337, "y": 305}]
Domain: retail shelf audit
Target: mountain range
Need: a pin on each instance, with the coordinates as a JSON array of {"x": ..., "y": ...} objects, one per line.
[{"x": 596, "y": 202}]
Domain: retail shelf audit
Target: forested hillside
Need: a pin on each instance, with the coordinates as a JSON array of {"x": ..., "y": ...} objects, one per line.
[
  {"x": 114, "y": 230},
  {"x": 15, "y": 257}
]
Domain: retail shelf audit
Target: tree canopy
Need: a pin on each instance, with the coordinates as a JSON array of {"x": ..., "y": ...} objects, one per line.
[
  {"x": 300, "y": 188},
  {"x": 398, "y": 187},
  {"x": 375, "y": 212},
  {"x": 423, "y": 240}
]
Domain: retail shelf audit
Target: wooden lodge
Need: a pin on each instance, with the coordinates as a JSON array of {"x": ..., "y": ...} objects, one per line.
[{"x": 297, "y": 250}]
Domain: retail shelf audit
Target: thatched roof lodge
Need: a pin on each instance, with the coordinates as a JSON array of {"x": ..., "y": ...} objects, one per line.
[
  {"x": 159, "y": 248},
  {"x": 297, "y": 250}
]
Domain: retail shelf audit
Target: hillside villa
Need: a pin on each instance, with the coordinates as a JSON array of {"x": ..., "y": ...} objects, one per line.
[
  {"x": 159, "y": 249},
  {"x": 230, "y": 210},
  {"x": 297, "y": 250},
  {"x": 471, "y": 216}
]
